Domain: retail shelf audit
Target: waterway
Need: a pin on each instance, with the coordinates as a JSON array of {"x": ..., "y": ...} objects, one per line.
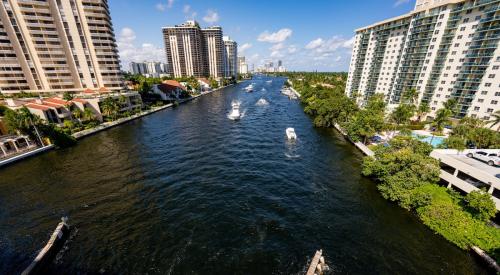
[{"x": 188, "y": 191}]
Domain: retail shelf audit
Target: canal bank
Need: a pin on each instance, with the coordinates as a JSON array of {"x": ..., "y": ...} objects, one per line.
[
  {"x": 187, "y": 190},
  {"x": 101, "y": 127}
]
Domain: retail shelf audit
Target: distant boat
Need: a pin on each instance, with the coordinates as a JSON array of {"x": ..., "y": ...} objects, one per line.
[
  {"x": 262, "y": 102},
  {"x": 269, "y": 81},
  {"x": 249, "y": 88},
  {"x": 290, "y": 133},
  {"x": 235, "y": 112}
]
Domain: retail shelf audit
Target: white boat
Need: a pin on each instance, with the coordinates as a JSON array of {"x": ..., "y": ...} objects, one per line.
[
  {"x": 269, "y": 81},
  {"x": 249, "y": 88},
  {"x": 290, "y": 133},
  {"x": 235, "y": 112}
]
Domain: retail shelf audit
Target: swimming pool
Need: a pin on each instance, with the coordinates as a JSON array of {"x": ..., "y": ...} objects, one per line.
[{"x": 434, "y": 141}]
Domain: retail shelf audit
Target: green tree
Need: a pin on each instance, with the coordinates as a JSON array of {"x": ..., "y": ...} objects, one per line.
[
  {"x": 455, "y": 142},
  {"x": 68, "y": 96},
  {"x": 496, "y": 120},
  {"x": 403, "y": 113},
  {"x": 442, "y": 118},
  {"x": 110, "y": 108},
  {"x": 21, "y": 121},
  {"x": 480, "y": 205},
  {"x": 422, "y": 110},
  {"x": 88, "y": 114},
  {"x": 410, "y": 96},
  {"x": 77, "y": 113},
  {"x": 451, "y": 105}
]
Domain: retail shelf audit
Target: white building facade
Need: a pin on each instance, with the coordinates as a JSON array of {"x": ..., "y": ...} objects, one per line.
[
  {"x": 443, "y": 48},
  {"x": 230, "y": 57}
]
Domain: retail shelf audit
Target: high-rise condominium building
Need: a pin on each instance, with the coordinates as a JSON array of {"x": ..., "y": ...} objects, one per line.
[
  {"x": 193, "y": 51},
  {"x": 55, "y": 45},
  {"x": 154, "y": 69},
  {"x": 184, "y": 50},
  {"x": 231, "y": 57},
  {"x": 213, "y": 51},
  {"x": 443, "y": 48},
  {"x": 242, "y": 65}
]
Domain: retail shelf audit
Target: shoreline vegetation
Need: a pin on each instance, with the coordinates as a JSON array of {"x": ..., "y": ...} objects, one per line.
[
  {"x": 51, "y": 136},
  {"x": 402, "y": 169}
]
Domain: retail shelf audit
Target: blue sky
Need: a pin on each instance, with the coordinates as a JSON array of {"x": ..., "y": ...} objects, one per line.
[{"x": 305, "y": 35}]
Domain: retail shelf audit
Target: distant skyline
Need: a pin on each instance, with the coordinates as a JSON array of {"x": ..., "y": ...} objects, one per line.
[{"x": 305, "y": 35}]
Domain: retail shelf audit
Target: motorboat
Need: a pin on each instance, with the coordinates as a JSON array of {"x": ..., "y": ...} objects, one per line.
[
  {"x": 249, "y": 88},
  {"x": 235, "y": 112},
  {"x": 290, "y": 133}
]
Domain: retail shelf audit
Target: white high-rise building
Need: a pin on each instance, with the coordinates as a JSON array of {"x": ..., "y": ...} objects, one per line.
[
  {"x": 443, "y": 49},
  {"x": 214, "y": 52},
  {"x": 230, "y": 57},
  {"x": 242, "y": 65},
  {"x": 152, "y": 69},
  {"x": 57, "y": 46}
]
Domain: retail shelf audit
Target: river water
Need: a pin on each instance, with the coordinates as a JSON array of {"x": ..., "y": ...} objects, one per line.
[{"x": 188, "y": 191}]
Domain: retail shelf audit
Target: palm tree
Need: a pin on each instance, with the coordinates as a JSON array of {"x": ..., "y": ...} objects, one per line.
[
  {"x": 110, "y": 108},
  {"x": 495, "y": 120},
  {"x": 88, "y": 114},
  {"x": 442, "y": 118},
  {"x": 77, "y": 113},
  {"x": 422, "y": 109},
  {"x": 410, "y": 96}
]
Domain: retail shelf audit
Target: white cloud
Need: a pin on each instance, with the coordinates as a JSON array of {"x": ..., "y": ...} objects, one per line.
[
  {"x": 277, "y": 47},
  {"x": 211, "y": 17},
  {"x": 338, "y": 58},
  {"x": 129, "y": 52},
  {"x": 331, "y": 45},
  {"x": 163, "y": 7},
  {"x": 292, "y": 49},
  {"x": 190, "y": 14},
  {"x": 276, "y": 54},
  {"x": 401, "y": 2},
  {"x": 244, "y": 47},
  {"x": 315, "y": 44},
  {"x": 275, "y": 37}
]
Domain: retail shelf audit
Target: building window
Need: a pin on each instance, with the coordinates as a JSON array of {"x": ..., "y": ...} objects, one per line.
[
  {"x": 489, "y": 110},
  {"x": 494, "y": 102},
  {"x": 476, "y": 108}
]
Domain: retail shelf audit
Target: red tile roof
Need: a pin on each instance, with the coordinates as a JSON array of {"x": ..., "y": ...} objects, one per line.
[
  {"x": 79, "y": 100},
  {"x": 103, "y": 90},
  {"x": 88, "y": 91},
  {"x": 37, "y": 106},
  {"x": 166, "y": 88},
  {"x": 56, "y": 100},
  {"x": 174, "y": 83}
]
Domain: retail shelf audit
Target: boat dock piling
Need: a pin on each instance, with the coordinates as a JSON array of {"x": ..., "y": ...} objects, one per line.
[
  {"x": 47, "y": 254},
  {"x": 317, "y": 266}
]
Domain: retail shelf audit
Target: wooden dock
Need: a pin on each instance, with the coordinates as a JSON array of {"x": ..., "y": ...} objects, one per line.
[
  {"x": 317, "y": 266},
  {"x": 50, "y": 250}
]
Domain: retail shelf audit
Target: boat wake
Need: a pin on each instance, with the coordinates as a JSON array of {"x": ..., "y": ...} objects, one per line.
[
  {"x": 262, "y": 102},
  {"x": 292, "y": 156}
]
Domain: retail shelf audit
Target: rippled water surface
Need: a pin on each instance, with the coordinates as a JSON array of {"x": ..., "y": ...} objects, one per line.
[{"x": 188, "y": 191}]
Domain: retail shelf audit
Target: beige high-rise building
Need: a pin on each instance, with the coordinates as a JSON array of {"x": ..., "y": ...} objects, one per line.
[
  {"x": 214, "y": 51},
  {"x": 193, "y": 51},
  {"x": 231, "y": 57},
  {"x": 57, "y": 46},
  {"x": 443, "y": 48}
]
